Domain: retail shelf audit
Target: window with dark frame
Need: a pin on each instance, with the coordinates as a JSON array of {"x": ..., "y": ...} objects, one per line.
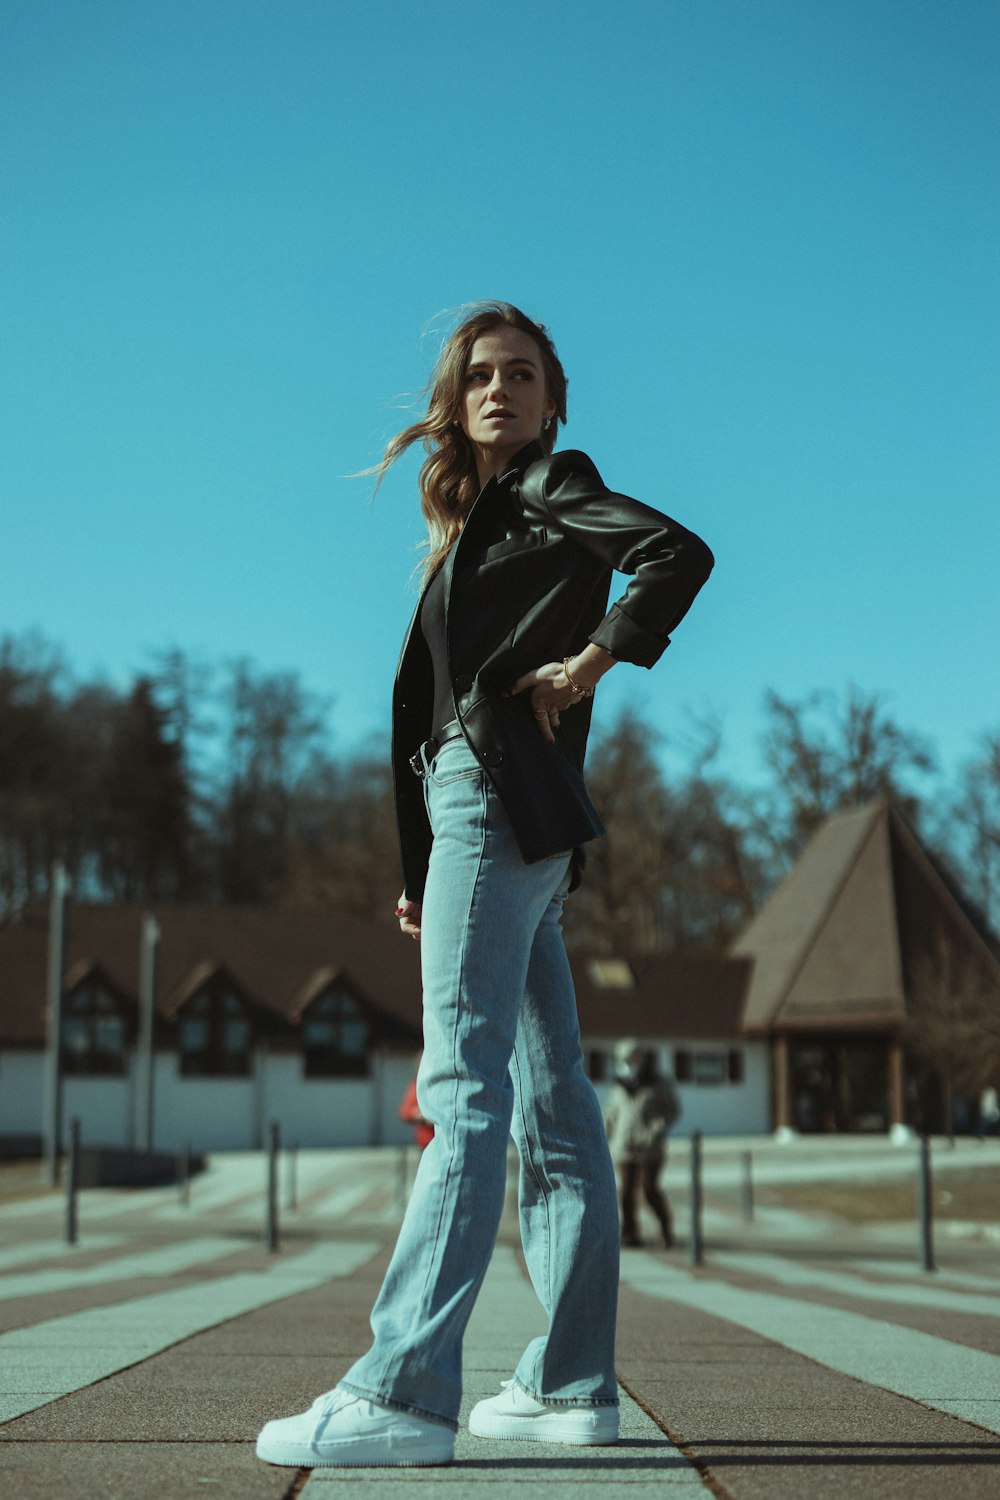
[
  {"x": 708, "y": 1068},
  {"x": 93, "y": 1032},
  {"x": 336, "y": 1035},
  {"x": 214, "y": 1034}
]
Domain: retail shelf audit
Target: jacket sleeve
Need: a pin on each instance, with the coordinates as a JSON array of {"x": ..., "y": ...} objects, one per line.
[{"x": 668, "y": 563}]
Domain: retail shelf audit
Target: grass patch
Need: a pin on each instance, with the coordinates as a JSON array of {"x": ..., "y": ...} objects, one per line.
[
  {"x": 22, "y": 1179},
  {"x": 972, "y": 1195}
]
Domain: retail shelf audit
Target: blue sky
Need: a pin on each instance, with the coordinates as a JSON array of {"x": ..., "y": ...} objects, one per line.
[{"x": 764, "y": 234}]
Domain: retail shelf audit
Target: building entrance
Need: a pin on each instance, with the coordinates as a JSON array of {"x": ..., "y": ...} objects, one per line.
[{"x": 839, "y": 1084}]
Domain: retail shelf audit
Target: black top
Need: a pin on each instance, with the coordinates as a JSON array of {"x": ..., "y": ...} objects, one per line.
[{"x": 432, "y": 623}]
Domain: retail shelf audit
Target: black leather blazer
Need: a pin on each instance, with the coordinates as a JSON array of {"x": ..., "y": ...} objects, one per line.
[{"x": 527, "y": 583}]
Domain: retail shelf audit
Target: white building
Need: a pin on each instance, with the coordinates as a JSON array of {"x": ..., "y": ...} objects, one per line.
[
  {"x": 312, "y": 1019},
  {"x": 818, "y": 1019}
]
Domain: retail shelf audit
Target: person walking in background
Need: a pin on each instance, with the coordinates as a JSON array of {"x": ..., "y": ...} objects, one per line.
[
  {"x": 643, "y": 1106},
  {"x": 491, "y": 712},
  {"x": 989, "y": 1113}
]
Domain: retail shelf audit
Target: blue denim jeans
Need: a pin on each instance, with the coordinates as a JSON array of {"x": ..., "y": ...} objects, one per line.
[{"x": 501, "y": 1056}]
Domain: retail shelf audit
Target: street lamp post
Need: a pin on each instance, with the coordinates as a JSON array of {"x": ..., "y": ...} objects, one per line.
[
  {"x": 144, "y": 1044},
  {"x": 52, "y": 1108}
]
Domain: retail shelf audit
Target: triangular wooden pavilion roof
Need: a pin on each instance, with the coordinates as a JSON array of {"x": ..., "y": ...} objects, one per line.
[{"x": 841, "y": 941}]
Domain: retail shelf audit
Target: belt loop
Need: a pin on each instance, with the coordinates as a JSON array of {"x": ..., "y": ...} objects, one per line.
[{"x": 420, "y": 760}]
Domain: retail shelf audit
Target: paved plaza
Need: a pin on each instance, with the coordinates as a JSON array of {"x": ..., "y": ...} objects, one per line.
[{"x": 804, "y": 1358}]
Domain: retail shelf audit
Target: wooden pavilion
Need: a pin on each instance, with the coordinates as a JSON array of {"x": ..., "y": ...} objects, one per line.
[{"x": 863, "y": 955}]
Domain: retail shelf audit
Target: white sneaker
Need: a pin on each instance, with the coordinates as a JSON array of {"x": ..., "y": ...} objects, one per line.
[
  {"x": 515, "y": 1414},
  {"x": 347, "y": 1431}
]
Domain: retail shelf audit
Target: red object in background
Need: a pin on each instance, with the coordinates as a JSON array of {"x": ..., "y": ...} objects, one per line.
[{"x": 409, "y": 1110}]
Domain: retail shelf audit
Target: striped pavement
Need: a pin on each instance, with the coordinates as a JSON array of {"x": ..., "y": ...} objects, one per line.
[{"x": 804, "y": 1358}]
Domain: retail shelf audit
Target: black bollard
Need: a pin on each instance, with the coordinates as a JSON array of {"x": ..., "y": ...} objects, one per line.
[
  {"x": 272, "y": 1186},
  {"x": 72, "y": 1179},
  {"x": 747, "y": 1193},
  {"x": 184, "y": 1173},
  {"x": 695, "y": 1247},
  {"x": 926, "y": 1206}
]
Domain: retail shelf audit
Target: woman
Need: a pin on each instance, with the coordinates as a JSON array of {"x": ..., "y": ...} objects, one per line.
[{"x": 491, "y": 710}]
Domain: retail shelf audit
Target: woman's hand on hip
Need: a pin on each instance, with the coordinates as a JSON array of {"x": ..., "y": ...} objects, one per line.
[
  {"x": 550, "y": 695},
  {"x": 409, "y": 913},
  {"x": 552, "y": 690}
]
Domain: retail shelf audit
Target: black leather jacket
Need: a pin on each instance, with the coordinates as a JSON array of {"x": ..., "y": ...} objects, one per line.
[{"x": 527, "y": 583}]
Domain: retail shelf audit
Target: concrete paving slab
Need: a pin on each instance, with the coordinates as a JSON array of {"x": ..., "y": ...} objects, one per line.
[
  {"x": 839, "y": 1437},
  {"x": 791, "y": 1273},
  {"x": 22, "y": 1371},
  {"x": 249, "y": 1386},
  {"x": 16, "y": 1406},
  {"x": 913, "y": 1364},
  {"x": 205, "y": 1415},
  {"x": 166, "y": 1261},
  {"x": 30, "y": 1312},
  {"x": 985, "y": 1414},
  {"x": 967, "y": 1328},
  {"x": 59, "y": 1335},
  {"x": 783, "y": 1453},
  {"x": 135, "y": 1330},
  {"x": 36, "y": 1252},
  {"x": 728, "y": 1392},
  {"x": 135, "y": 1471},
  {"x": 950, "y": 1276},
  {"x": 219, "y": 1400}
]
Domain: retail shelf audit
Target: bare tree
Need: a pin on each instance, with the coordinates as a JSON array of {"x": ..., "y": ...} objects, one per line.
[
  {"x": 675, "y": 869},
  {"x": 220, "y": 784},
  {"x": 52, "y": 738},
  {"x": 29, "y": 755},
  {"x": 954, "y": 1020},
  {"x": 975, "y": 828},
  {"x": 273, "y": 728},
  {"x": 343, "y": 838},
  {"x": 823, "y": 757},
  {"x": 618, "y": 906},
  {"x": 145, "y": 848}
]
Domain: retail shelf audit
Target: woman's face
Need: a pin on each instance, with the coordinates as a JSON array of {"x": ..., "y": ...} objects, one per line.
[{"x": 504, "y": 401}]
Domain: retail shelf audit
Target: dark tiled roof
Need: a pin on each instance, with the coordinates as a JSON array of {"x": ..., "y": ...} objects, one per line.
[
  {"x": 280, "y": 958},
  {"x": 682, "y": 995},
  {"x": 273, "y": 955}
]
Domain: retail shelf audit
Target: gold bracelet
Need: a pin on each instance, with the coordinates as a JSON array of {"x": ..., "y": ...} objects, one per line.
[{"x": 581, "y": 692}]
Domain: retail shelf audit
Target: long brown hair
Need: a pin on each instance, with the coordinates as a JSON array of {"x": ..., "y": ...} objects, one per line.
[{"x": 449, "y": 482}]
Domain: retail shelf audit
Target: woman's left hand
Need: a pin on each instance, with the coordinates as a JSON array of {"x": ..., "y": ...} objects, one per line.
[{"x": 550, "y": 694}]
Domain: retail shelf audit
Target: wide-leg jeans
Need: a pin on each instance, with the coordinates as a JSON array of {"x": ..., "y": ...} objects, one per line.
[{"x": 501, "y": 1056}]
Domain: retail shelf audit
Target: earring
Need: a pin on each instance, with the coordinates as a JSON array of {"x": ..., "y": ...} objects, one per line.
[{"x": 546, "y": 424}]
